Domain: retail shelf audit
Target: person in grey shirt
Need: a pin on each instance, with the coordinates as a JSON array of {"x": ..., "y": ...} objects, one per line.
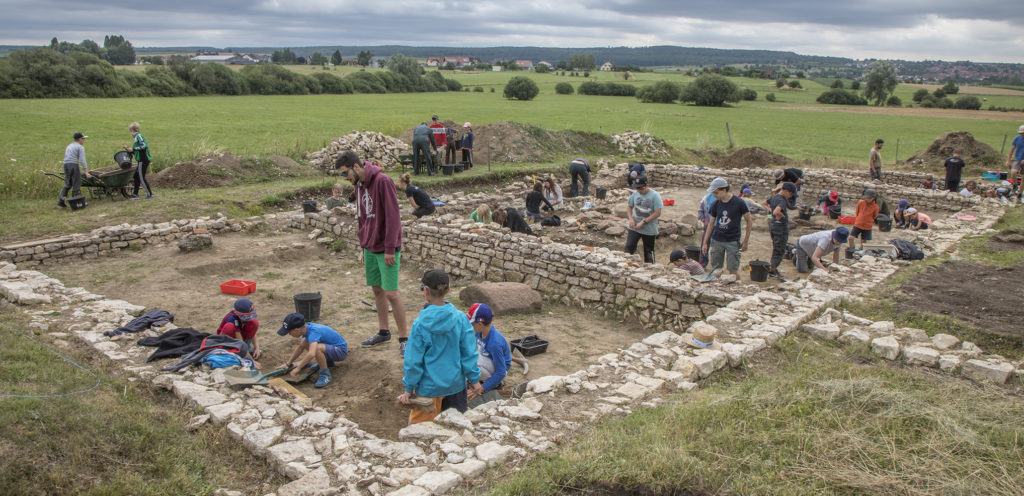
[
  {"x": 816, "y": 245},
  {"x": 74, "y": 155}
]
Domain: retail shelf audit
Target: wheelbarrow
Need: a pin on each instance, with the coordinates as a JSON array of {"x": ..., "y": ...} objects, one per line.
[{"x": 104, "y": 182}]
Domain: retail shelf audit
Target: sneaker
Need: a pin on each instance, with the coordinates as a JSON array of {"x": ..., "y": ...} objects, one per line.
[
  {"x": 61, "y": 204},
  {"x": 324, "y": 379},
  {"x": 149, "y": 197},
  {"x": 133, "y": 197},
  {"x": 401, "y": 348},
  {"x": 776, "y": 275},
  {"x": 377, "y": 338}
]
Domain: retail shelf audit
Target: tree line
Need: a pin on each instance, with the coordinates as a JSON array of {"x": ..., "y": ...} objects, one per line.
[{"x": 50, "y": 73}]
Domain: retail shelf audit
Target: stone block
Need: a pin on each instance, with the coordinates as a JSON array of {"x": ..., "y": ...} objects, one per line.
[
  {"x": 310, "y": 484},
  {"x": 887, "y": 347},
  {"x": 544, "y": 384},
  {"x": 284, "y": 453},
  {"x": 950, "y": 363},
  {"x": 424, "y": 431},
  {"x": 687, "y": 368},
  {"x": 439, "y": 482},
  {"x": 945, "y": 341},
  {"x": 405, "y": 475},
  {"x": 854, "y": 336},
  {"x": 982, "y": 370},
  {"x": 503, "y": 297},
  {"x": 259, "y": 440},
  {"x": 492, "y": 452},
  {"x": 222, "y": 413},
  {"x": 822, "y": 331},
  {"x": 468, "y": 469},
  {"x": 921, "y": 355},
  {"x": 409, "y": 490},
  {"x": 453, "y": 418},
  {"x": 632, "y": 391}
]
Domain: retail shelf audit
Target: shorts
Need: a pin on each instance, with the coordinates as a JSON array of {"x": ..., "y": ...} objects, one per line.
[
  {"x": 335, "y": 353},
  {"x": 865, "y": 235},
  {"x": 1017, "y": 166},
  {"x": 730, "y": 250},
  {"x": 378, "y": 273}
]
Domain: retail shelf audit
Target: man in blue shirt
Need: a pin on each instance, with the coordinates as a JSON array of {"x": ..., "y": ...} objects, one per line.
[
  {"x": 644, "y": 207},
  {"x": 319, "y": 344},
  {"x": 722, "y": 241},
  {"x": 1015, "y": 161}
]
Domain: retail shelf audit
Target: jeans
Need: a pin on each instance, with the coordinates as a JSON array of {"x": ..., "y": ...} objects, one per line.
[
  {"x": 802, "y": 260},
  {"x": 458, "y": 401},
  {"x": 780, "y": 237},
  {"x": 876, "y": 173},
  {"x": 424, "y": 147},
  {"x": 467, "y": 156},
  {"x": 633, "y": 238},
  {"x": 579, "y": 171},
  {"x": 953, "y": 183},
  {"x": 72, "y": 181},
  {"x": 449, "y": 153}
]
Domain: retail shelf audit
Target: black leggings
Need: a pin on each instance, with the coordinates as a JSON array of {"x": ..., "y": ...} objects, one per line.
[
  {"x": 424, "y": 210},
  {"x": 633, "y": 238},
  {"x": 140, "y": 178}
]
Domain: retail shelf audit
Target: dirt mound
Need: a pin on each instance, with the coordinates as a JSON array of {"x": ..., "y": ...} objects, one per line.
[
  {"x": 219, "y": 169},
  {"x": 943, "y": 147},
  {"x": 755, "y": 157},
  {"x": 509, "y": 141}
]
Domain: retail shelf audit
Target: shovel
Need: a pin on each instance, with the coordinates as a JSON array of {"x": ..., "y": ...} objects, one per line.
[{"x": 250, "y": 377}]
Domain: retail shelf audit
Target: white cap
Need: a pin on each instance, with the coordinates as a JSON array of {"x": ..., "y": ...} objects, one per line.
[
  {"x": 911, "y": 211},
  {"x": 1020, "y": 130},
  {"x": 718, "y": 183}
]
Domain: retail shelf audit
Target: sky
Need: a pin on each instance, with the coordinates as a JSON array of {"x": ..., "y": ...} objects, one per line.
[{"x": 977, "y": 30}]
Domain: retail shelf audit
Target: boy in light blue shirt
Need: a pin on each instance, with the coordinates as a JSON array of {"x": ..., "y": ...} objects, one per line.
[{"x": 644, "y": 209}]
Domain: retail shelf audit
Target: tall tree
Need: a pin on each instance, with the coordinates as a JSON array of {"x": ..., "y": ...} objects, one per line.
[
  {"x": 118, "y": 50},
  {"x": 364, "y": 57},
  {"x": 336, "y": 57},
  {"x": 881, "y": 81}
]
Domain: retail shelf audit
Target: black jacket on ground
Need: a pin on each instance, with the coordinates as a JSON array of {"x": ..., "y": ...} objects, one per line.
[
  {"x": 515, "y": 222},
  {"x": 210, "y": 343},
  {"x": 174, "y": 343},
  {"x": 151, "y": 318}
]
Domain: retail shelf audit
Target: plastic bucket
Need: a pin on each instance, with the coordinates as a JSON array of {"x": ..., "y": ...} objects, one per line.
[
  {"x": 602, "y": 193},
  {"x": 835, "y": 211},
  {"x": 805, "y": 213},
  {"x": 850, "y": 251},
  {"x": 123, "y": 159},
  {"x": 884, "y": 223},
  {"x": 447, "y": 169},
  {"x": 309, "y": 206},
  {"x": 759, "y": 271},
  {"x": 692, "y": 252},
  {"x": 308, "y": 304}
]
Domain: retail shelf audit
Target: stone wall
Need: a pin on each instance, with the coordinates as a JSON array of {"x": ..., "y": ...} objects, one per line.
[{"x": 109, "y": 240}]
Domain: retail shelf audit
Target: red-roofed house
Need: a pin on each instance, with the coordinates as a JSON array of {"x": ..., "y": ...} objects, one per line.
[{"x": 526, "y": 65}]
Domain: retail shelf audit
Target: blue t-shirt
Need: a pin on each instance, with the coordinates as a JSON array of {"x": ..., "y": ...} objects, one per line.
[
  {"x": 727, "y": 217},
  {"x": 318, "y": 333},
  {"x": 643, "y": 207},
  {"x": 1018, "y": 151}
]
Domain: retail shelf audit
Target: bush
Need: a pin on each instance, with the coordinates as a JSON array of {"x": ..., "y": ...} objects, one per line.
[
  {"x": 564, "y": 89},
  {"x": 606, "y": 89},
  {"x": 920, "y": 95},
  {"x": 968, "y": 102},
  {"x": 838, "y": 83},
  {"x": 478, "y": 89},
  {"x": 893, "y": 101},
  {"x": 492, "y": 89},
  {"x": 944, "y": 102},
  {"x": 749, "y": 95},
  {"x": 521, "y": 88},
  {"x": 770, "y": 97},
  {"x": 453, "y": 85},
  {"x": 939, "y": 93},
  {"x": 795, "y": 84},
  {"x": 855, "y": 85},
  {"x": 710, "y": 90},
  {"x": 780, "y": 83},
  {"x": 660, "y": 92},
  {"x": 951, "y": 88},
  {"x": 841, "y": 97}
]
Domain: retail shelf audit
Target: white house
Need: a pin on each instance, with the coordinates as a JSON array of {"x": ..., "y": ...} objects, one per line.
[
  {"x": 607, "y": 66},
  {"x": 496, "y": 68},
  {"x": 214, "y": 59}
]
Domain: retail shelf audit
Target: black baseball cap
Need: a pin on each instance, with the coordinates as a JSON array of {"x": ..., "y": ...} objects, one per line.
[
  {"x": 640, "y": 181},
  {"x": 435, "y": 279},
  {"x": 788, "y": 186},
  {"x": 292, "y": 321},
  {"x": 676, "y": 255},
  {"x": 79, "y": 135}
]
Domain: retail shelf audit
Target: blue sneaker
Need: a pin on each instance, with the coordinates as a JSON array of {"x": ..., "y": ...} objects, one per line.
[{"x": 324, "y": 379}]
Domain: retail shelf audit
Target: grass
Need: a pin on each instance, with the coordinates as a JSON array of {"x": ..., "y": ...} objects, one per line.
[
  {"x": 121, "y": 438},
  {"x": 810, "y": 418}
]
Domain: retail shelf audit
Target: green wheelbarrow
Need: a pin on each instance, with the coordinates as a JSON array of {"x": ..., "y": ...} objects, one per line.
[{"x": 107, "y": 181}]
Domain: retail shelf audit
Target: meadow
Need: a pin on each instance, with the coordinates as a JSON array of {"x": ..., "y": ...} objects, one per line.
[{"x": 35, "y": 132}]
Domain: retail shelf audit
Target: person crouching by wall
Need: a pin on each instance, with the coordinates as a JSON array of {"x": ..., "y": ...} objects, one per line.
[{"x": 419, "y": 199}]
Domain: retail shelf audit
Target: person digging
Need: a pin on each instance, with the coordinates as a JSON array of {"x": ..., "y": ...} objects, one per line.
[{"x": 320, "y": 347}]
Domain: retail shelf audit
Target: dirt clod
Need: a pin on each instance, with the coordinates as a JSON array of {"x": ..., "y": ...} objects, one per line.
[{"x": 219, "y": 169}]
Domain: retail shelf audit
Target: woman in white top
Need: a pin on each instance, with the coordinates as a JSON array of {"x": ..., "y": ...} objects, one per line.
[{"x": 553, "y": 192}]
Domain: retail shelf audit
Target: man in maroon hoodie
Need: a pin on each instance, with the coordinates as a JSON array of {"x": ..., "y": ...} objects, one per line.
[{"x": 380, "y": 235}]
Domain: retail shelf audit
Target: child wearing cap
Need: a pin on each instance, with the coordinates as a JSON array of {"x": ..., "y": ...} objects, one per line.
[
  {"x": 321, "y": 347},
  {"x": 900, "y": 214},
  {"x": 867, "y": 211},
  {"x": 917, "y": 220},
  {"x": 466, "y": 143},
  {"x": 828, "y": 200},
  {"x": 241, "y": 324},
  {"x": 679, "y": 259},
  {"x": 495, "y": 354},
  {"x": 816, "y": 245},
  {"x": 441, "y": 354},
  {"x": 722, "y": 242}
]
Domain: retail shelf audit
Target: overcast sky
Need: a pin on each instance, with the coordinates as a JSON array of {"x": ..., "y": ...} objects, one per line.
[{"x": 978, "y": 30}]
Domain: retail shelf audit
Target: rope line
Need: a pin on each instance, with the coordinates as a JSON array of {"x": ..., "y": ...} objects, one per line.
[{"x": 66, "y": 359}]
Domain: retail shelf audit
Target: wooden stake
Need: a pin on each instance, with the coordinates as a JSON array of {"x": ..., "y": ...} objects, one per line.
[{"x": 729, "y": 133}]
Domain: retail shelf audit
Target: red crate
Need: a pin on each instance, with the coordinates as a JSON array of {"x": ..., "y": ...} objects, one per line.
[
  {"x": 238, "y": 287},
  {"x": 846, "y": 220}
]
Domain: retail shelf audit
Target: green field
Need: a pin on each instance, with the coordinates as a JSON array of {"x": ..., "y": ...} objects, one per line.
[{"x": 35, "y": 132}]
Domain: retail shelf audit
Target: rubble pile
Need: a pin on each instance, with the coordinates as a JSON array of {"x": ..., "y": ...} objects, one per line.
[
  {"x": 375, "y": 147},
  {"x": 637, "y": 143}
]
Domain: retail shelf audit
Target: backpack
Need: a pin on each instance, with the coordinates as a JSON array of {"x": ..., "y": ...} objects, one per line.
[
  {"x": 905, "y": 250},
  {"x": 553, "y": 220}
]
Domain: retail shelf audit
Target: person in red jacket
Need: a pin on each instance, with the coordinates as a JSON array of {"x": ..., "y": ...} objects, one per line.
[
  {"x": 380, "y": 235},
  {"x": 440, "y": 135},
  {"x": 241, "y": 324}
]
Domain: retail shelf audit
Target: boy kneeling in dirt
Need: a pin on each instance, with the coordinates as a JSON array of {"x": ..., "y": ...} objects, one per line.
[
  {"x": 320, "y": 347},
  {"x": 441, "y": 353},
  {"x": 495, "y": 355}
]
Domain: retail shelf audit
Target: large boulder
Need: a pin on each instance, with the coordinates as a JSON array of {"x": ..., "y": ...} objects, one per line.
[{"x": 503, "y": 297}]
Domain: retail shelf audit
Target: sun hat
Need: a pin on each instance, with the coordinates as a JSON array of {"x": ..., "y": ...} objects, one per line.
[
  {"x": 779, "y": 174},
  {"x": 435, "y": 279},
  {"x": 466, "y": 125},
  {"x": 833, "y": 195},
  {"x": 841, "y": 234},
  {"x": 676, "y": 255},
  {"x": 904, "y": 203},
  {"x": 870, "y": 193},
  {"x": 702, "y": 337},
  {"x": 1020, "y": 130},
  {"x": 479, "y": 312},
  {"x": 747, "y": 192},
  {"x": 911, "y": 211},
  {"x": 292, "y": 321},
  {"x": 243, "y": 305},
  {"x": 717, "y": 183}
]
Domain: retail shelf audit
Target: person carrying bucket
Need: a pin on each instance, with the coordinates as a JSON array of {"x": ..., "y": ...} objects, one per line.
[{"x": 778, "y": 227}]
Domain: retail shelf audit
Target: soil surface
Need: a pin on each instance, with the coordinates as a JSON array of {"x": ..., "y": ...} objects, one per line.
[
  {"x": 984, "y": 296},
  {"x": 943, "y": 148},
  {"x": 219, "y": 169},
  {"x": 509, "y": 141},
  {"x": 366, "y": 384}
]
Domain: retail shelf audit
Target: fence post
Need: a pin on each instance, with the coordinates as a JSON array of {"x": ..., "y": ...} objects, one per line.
[
  {"x": 1001, "y": 148},
  {"x": 897, "y": 154},
  {"x": 728, "y": 133}
]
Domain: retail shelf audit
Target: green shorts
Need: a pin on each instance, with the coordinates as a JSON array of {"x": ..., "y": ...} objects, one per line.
[{"x": 378, "y": 273}]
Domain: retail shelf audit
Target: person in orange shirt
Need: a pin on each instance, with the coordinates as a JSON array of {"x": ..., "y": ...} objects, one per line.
[{"x": 867, "y": 210}]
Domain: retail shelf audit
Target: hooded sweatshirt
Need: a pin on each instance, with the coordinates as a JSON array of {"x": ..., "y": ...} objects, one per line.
[
  {"x": 441, "y": 353},
  {"x": 380, "y": 221}
]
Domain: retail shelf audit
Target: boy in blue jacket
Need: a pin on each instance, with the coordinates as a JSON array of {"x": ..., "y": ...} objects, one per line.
[
  {"x": 495, "y": 355},
  {"x": 441, "y": 354}
]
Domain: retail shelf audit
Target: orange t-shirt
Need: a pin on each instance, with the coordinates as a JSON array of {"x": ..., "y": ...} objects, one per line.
[{"x": 866, "y": 213}]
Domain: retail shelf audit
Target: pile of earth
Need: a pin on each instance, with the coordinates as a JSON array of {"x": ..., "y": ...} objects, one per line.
[
  {"x": 754, "y": 157},
  {"x": 509, "y": 141},
  {"x": 943, "y": 148},
  {"x": 219, "y": 169}
]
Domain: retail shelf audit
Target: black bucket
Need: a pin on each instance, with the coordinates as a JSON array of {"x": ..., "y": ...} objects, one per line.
[
  {"x": 805, "y": 213},
  {"x": 76, "y": 202},
  {"x": 602, "y": 193},
  {"x": 447, "y": 169},
  {"x": 308, "y": 304},
  {"x": 309, "y": 206},
  {"x": 884, "y": 223},
  {"x": 835, "y": 211},
  {"x": 123, "y": 159},
  {"x": 850, "y": 251},
  {"x": 692, "y": 252},
  {"x": 759, "y": 271}
]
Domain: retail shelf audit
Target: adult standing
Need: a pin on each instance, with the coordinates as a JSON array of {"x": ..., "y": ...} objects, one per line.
[
  {"x": 1015, "y": 161},
  {"x": 778, "y": 227},
  {"x": 467, "y": 144},
  {"x": 141, "y": 150},
  {"x": 722, "y": 241},
  {"x": 419, "y": 199},
  {"x": 816, "y": 245},
  {"x": 440, "y": 135},
  {"x": 449, "y": 147},
  {"x": 422, "y": 141},
  {"x": 954, "y": 168},
  {"x": 380, "y": 235},
  {"x": 74, "y": 155},
  {"x": 875, "y": 159},
  {"x": 579, "y": 169},
  {"x": 644, "y": 207}
]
